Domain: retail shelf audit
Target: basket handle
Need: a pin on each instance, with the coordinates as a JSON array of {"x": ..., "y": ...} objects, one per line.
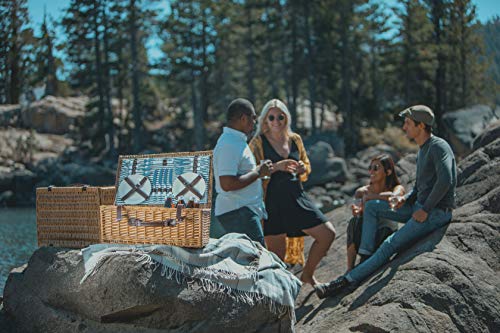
[{"x": 164, "y": 223}]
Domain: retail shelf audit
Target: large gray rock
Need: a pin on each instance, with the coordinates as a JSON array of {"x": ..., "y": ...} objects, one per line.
[
  {"x": 447, "y": 282},
  {"x": 123, "y": 296},
  {"x": 325, "y": 166},
  {"x": 56, "y": 115},
  {"x": 9, "y": 114},
  {"x": 491, "y": 133},
  {"x": 462, "y": 126},
  {"x": 27, "y": 146}
]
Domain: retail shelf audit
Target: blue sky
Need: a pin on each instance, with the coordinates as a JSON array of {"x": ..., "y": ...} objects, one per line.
[{"x": 55, "y": 8}]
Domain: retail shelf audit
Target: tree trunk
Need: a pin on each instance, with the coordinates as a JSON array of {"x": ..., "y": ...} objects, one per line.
[
  {"x": 250, "y": 55},
  {"x": 349, "y": 130},
  {"x": 98, "y": 67},
  {"x": 294, "y": 77},
  {"x": 202, "y": 112},
  {"x": 110, "y": 127},
  {"x": 136, "y": 109},
  {"x": 310, "y": 67},
  {"x": 14, "y": 57},
  {"x": 439, "y": 83}
]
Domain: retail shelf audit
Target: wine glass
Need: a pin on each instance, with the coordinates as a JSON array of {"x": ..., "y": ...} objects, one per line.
[
  {"x": 266, "y": 175},
  {"x": 393, "y": 201},
  {"x": 294, "y": 176},
  {"x": 357, "y": 206}
]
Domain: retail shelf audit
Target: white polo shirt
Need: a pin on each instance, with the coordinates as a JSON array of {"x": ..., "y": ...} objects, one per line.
[{"x": 233, "y": 157}]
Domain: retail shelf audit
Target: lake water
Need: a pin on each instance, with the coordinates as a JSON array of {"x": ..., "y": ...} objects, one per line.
[{"x": 17, "y": 239}]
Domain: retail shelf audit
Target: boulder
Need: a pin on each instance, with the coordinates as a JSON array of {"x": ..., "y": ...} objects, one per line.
[
  {"x": 126, "y": 295},
  {"x": 9, "y": 114},
  {"x": 491, "y": 133},
  {"x": 16, "y": 186},
  {"x": 462, "y": 126},
  {"x": 448, "y": 281},
  {"x": 56, "y": 115},
  {"x": 55, "y": 172},
  {"x": 325, "y": 166},
  {"x": 27, "y": 146}
]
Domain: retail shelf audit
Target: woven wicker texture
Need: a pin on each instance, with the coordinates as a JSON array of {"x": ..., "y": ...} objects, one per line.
[
  {"x": 69, "y": 216},
  {"x": 163, "y": 169},
  {"x": 193, "y": 231}
]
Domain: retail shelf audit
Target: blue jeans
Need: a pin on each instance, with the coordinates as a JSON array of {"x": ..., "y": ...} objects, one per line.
[
  {"x": 408, "y": 234},
  {"x": 243, "y": 221}
]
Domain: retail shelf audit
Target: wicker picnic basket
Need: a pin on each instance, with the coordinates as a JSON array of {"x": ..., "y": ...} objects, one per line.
[
  {"x": 143, "y": 184},
  {"x": 69, "y": 216}
]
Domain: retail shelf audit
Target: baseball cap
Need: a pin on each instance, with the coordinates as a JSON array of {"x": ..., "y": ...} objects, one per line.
[{"x": 419, "y": 113}]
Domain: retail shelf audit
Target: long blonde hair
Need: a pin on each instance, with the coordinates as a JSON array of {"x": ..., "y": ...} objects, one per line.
[{"x": 262, "y": 127}]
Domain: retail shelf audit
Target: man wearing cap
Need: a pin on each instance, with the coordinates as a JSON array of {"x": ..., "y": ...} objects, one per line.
[
  {"x": 239, "y": 205},
  {"x": 424, "y": 209}
]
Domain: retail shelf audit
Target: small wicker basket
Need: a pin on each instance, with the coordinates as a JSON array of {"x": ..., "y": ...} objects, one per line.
[{"x": 69, "y": 216}]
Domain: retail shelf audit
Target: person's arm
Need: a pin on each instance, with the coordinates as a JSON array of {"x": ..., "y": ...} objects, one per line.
[
  {"x": 396, "y": 192},
  {"x": 233, "y": 183},
  {"x": 361, "y": 191},
  {"x": 256, "y": 148},
  {"x": 306, "y": 164},
  {"x": 228, "y": 170},
  {"x": 442, "y": 159}
]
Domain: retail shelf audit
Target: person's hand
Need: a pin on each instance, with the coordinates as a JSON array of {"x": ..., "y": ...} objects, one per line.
[
  {"x": 265, "y": 168},
  {"x": 287, "y": 165},
  {"x": 420, "y": 215},
  {"x": 301, "y": 168},
  {"x": 401, "y": 201},
  {"x": 356, "y": 210}
]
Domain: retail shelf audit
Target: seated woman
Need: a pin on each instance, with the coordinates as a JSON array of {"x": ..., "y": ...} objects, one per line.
[
  {"x": 290, "y": 211},
  {"x": 384, "y": 183}
]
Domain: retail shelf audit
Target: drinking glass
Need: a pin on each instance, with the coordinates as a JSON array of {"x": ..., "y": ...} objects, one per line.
[
  {"x": 357, "y": 206},
  {"x": 393, "y": 201}
]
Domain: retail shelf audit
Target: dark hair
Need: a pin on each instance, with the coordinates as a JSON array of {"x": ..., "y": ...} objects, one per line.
[
  {"x": 427, "y": 128},
  {"x": 239, "y": 107},
  {"x": 391, "y": 181}
]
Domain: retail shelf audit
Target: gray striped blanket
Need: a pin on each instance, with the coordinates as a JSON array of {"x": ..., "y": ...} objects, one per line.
[{"x": 232, "y": 264}]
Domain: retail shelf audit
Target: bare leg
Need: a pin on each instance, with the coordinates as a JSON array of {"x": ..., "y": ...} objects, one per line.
[
  {"x": 351, "y": 256},
  {"x": 277, "y": 244},
  {"x": 323, "y": 235}
]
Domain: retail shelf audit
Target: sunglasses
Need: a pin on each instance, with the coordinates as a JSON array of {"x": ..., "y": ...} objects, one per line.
[
  {"x": 280, "y": 118},
  {"x": 374, "y": 167}
]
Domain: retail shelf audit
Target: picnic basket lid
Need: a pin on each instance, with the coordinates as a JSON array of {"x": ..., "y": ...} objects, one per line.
[{"x": 148, "y": 179}]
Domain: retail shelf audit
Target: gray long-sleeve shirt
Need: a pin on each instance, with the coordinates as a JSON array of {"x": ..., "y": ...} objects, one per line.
[{"x": 436, "y": 175}]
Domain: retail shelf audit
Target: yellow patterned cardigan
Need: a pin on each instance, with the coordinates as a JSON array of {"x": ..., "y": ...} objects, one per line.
[{"x": 294, "y": 245}]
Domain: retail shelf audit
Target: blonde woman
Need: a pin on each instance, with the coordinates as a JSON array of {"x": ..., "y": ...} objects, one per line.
[{"x": 290, "y": 211}]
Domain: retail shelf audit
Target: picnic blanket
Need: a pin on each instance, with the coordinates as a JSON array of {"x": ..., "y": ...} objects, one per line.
[{"x": 233, "y": 265}]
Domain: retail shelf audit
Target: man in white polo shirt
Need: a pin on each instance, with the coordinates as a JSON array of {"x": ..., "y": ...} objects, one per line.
[{"x": 239, "y": 206}]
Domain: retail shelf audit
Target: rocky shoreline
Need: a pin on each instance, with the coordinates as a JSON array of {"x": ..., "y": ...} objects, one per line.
[{"x": 447, "y": 282}]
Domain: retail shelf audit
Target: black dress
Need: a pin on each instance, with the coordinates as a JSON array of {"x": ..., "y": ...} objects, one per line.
[{"x": 289, "y": 209}]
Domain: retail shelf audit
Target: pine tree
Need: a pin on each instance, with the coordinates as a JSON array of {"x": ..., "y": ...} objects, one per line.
[
  {"x": 466, "y": 77},
  {"x": 17, "y": 42},
  {"x": 415, "y": 54},
  {"x": 46, "y": 61},
  {"x": 490, "y": 34}
]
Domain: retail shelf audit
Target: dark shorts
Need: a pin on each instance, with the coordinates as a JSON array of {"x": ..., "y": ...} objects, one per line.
[
  {"x": 243, "y": 221},
  {"x": 355, "y": 229}
]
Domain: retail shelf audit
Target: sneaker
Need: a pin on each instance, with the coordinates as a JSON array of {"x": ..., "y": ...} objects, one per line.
[{"x": 332, "y": 288}]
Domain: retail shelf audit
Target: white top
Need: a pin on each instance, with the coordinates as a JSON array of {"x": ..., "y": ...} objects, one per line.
[{"x": 233, "y": 157}]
